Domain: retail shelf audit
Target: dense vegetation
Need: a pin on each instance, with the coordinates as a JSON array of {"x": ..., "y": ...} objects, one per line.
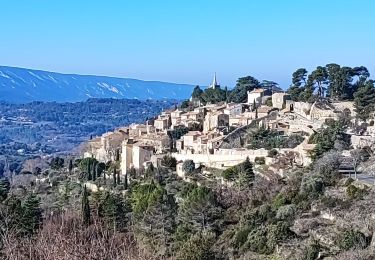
[{"x": 54, "y": 212}]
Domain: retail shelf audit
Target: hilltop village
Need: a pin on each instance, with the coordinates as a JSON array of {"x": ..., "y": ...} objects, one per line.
[
  {"x": 254, "y": 172},
  {"x": 221, "y": 135}
]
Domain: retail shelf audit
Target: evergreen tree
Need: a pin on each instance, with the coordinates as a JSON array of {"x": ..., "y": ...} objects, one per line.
[
  {"x": 299, "y": 77},
  {"x": 118, "y": 178},
  {"x": 114, "y": 177},
  {"x": 297, "y": 89},
  {"x": 113, "y": 209},
  {"x": 150, "y": 170},
  {"x": 94, "y": 171},
  {"x": 239, "y": 92},
  {"x": 364, "y": 101},
  {"x": 318, "y": 78},
  {"x": 154, "y": 212},
  {"x": 126, "y": 181},
  {"x": 89, "y": 175},
  {"x": 70, "y": 166},
  {"x": 197, "y": 92},
  {"x": 246, "y": 174},
  {"x": 32, "y": 214},
  {"x": 86, "y": 214},
  {"x": 4, "y": 188},
  {"x": 199, "y": 210}
]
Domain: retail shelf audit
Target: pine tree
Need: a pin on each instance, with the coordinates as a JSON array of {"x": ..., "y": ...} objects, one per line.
[
  {"x": 86, "y": 215},
  {"x": 70, "y": 166},
  {"x": 32, "y": 214},
  {"x": 364, "y": 101}
]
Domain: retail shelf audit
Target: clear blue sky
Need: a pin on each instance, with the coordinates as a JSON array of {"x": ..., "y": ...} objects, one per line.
[{"x": 186, "y": 41}]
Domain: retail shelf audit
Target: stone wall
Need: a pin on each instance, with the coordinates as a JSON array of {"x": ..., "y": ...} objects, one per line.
[{"x": 221, "y": 160}]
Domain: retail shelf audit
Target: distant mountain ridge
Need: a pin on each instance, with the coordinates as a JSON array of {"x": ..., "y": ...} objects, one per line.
[{"x": 19, "y": 85}]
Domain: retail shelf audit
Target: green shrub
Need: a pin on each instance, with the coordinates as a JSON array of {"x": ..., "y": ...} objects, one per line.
[
  {"x": 230, "y": 174},
  {"x": 352, "y": 239},
  {"x": 198, "y": 247},
  {"x": 312, "y": 186},
  {"x": 273, "y": 153},
  {"x": 354, "y": 193},
  {"x": 331, "y": 202},
  {"x": 240, "y": 236},
  {"x": 260, "y": 160},
  {"x": 257, "y": 241},
  {"x": 188, "y": 166},
  {"x": 280, "y": 200},
  {"x": 348, "y": 182},
  {"x": 286, "y": 212},
  {"x": 264, "y": 238},
  {"x": 169, "y": 162},
  {"x": 311, "y": 252}
]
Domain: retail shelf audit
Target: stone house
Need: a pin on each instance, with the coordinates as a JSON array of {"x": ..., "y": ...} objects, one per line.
[
  {"x": 162, "y": 123},
  {"x": 215, "y": 120},
  {"x": 279, "y": 99},
  {"x": 233, "y": 109},
  {"x": 255, "y": 95},
  {"x": 134, "y": 155}
]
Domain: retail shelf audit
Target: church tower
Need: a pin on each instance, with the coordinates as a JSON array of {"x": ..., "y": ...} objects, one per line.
[{"x": 214, "y": 83}]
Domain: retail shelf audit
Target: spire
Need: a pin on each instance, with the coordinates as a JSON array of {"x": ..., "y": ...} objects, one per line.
[{"x": 214, "y": 82}]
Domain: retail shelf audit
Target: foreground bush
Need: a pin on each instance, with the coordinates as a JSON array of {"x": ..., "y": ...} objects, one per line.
[{"x": 63, "y": 237}]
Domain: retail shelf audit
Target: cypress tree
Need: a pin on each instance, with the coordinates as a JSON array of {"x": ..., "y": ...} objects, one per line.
[
  {"x": 89, "y": 176},
  {"x": 126, "y": 181},
  {"x": 94, "y": 176},
  {"x": 86, "y": 216},
  {"x": 118, "y": 178},
  {"x": 114, "y": 177},
  {"x": 70, "y": 166}
]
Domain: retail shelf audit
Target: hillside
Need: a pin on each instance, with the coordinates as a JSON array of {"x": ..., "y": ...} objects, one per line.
[{"x": 19, "y": 85}]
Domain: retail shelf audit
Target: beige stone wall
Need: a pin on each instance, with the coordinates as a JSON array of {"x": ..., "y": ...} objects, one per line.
[
  {"x": 278, "y": 100},
  {"x": 221, "y": 159},
  {"x": 254, "y": 96},
  {"x": 161, "y": 123},
  {"x": 140, "y": 156},
  {"x": 126, "y": 158},
  {"x": 302, "y": 108}
]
